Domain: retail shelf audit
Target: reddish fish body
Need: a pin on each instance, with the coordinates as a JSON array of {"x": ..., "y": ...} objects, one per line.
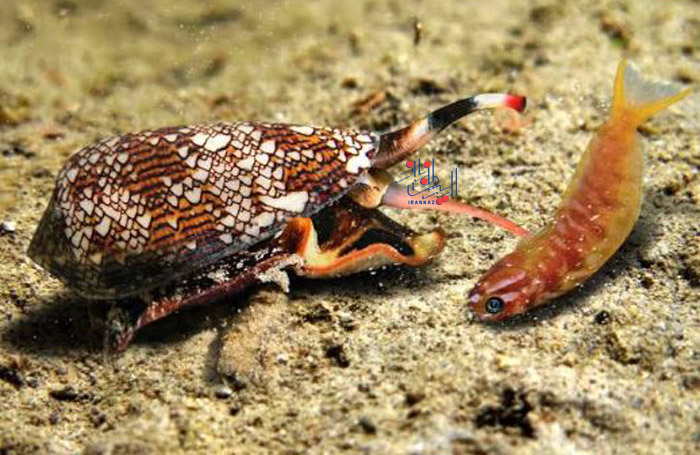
[{"x": 598, "y": 211}]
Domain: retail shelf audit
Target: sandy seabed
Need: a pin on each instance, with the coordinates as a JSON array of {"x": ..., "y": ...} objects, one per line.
[{"x": 379, "y": 363}]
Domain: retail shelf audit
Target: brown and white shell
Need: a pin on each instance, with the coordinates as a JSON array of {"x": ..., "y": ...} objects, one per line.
[{"x": 136, "y": 211}]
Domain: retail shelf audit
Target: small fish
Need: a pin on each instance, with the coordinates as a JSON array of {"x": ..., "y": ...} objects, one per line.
[{"x": 597, "y": 213}]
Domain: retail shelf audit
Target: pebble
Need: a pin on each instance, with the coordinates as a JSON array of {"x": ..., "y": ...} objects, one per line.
[
  {"x": 68, "y": 393},
  {"x": 367, "y": 426},
  {"x": 8, "y": 227},
  {"x": 283, "y": 358},
  {"x": 602, "y": 318},
  {"x": 12, "y": 376},
  {"x": 223, "y": 392}
]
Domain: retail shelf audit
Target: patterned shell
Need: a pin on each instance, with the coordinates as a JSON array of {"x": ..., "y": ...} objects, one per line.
[{"x": 134, "y": 212}]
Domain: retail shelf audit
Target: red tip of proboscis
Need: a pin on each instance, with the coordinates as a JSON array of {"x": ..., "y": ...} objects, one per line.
[{"x": 519, "y": 103}]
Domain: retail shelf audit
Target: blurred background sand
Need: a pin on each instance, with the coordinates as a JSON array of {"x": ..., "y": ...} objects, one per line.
[{"x": 379, "y": 363}]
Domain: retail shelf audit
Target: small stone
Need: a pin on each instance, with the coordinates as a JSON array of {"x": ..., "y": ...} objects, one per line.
[
  {"x": 691, "y": 381},
  {"x": 366, "y": 425},
  {"x": 283, "y": 358},
  {"x": 68, "y": 393},
  {"x": 55, "y": 418},
  {"x": 223, "y": 392},
  {"x": 12, "y": 376},
  {"x": 336, "y": 353},
  {"x": 8, "y": 227},
  {"x": 413, "y": 398},
  {"x": 504, "y": 362},
  {"x": 346, "y": 321},
  {"x": 602, "y": 318},
  {"x": 33, "y": 382},
  {"x": 97, "y": 417}
]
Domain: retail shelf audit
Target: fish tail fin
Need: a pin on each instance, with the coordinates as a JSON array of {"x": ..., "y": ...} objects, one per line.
[{"x": 635, "y": 95}]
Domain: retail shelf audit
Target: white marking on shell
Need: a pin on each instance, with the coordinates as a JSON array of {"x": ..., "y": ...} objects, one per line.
[
  {"x": 123, "y": 158},
  {"x": 294, "y": 156},
  {"x": 226, "y": 238},
  {"x": 262, "y": 158},
  {"x": 75, "y": 240},
  {"x": 200, "y": 139},
  {"x": 95, "y": 258},
  {"x": 154, "y": 141},
  {"x": 245, "y": 128},
  {"x": 201, "y": 175},
  {"x": 111, "y": 212},
  {"x": 220, "y": 167},
  {"x": 173, "y": 200},
  {"x": 278, "y": 173},
  {"x": 204, "y": 163},
  {"x": 331, "y": 143},
  {"x": 268, "y": 146},
  {"x": 177, "y": 189},
  {"x": 191, "y": 245},
  {"x": 305, "y": 130},
  {"x": 253, "y": 230},
  {"x": 263, "y": 181},
  {"x": 358, "y": 162},
  {"x": 293, "y": 202},
  {"x": 173, "y": 222},
  {"x": 183, "y": 152},
  {"x": 84, "y": 244},
  {"x": 218, "y": 142},
  {"x": 194, "y": 195},
  {"x": 167, "y": 181},
  {"x": 103, "y": 227},
  {"x": 171, "y": 137},
  {"x": 228, "y": 220},
  {"x": 72, "y": 174},
  {"x": 246, "y": 164},
  {"x": 144, "y": 220},
  {"x": 191, "y": 161},
  {"x": 308, "y": 153},
  {"x": 264, "y": 219},
  {"x": 87, "y": 205}
]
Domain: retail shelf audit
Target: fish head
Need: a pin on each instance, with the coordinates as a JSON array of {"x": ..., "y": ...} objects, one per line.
[{"x": 506, "y": 290}]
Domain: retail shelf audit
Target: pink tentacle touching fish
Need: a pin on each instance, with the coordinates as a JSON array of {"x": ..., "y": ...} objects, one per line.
[{"x": 598, "y": 210}]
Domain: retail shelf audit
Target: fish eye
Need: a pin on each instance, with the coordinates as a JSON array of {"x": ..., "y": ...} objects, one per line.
[{"x": 494, "y": 305}]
